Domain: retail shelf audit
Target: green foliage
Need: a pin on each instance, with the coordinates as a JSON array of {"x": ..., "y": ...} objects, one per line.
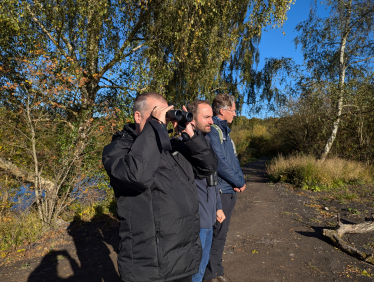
[
  {"x": 306, "y": 122},
  {"x": 18, "y": 229},
  {"x": 338, "y": 53},
  {"x": 346, "y": 31},
  {"x": 353, "y": 211},
  {"x": 253, "y": 138},
  {"x": 346, "y": 196},
  {"x": 121, "y": 48},
  {"x": 69, "y": 71}
]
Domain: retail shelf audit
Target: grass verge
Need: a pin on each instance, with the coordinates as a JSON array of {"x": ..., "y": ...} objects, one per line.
[
  {"x": 311, "y": 174},
  {"x": 17, "y": 229}
]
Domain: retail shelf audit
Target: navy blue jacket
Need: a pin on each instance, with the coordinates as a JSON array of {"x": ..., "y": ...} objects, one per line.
[
  {"x": 209, "y": 203},
  {"x": 230, "y": 174},
  {"x": 209, "y": 199}
]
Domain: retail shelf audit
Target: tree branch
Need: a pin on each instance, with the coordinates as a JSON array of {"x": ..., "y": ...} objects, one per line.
[
  {"x": 118, "y": 56},
  {"x": 121, "y": 87},
  {"x": 21, "y": 173},
  {"x": 360, "y": 61},
  {"x": 33, "y": 16},
  {"x": 48, "y": 34},
  {"x": 336, "y": 236},
  {"x": 49, "y": 120}
]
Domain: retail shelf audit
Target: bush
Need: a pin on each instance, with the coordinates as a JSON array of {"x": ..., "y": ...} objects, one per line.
[
  {"x": 253, "y": 139},
  {"x": 17, "y": 228},
  {"x": 309, "y": 173}
]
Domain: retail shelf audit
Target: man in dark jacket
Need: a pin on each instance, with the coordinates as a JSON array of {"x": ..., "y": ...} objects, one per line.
[
  {"x": 230, "y": 180},
  {"x": 210, "y": 207},
  {"x": 153, "y": 181}
]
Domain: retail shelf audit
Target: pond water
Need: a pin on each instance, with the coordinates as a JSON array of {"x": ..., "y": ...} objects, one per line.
[{"x": 25, "y": 197}]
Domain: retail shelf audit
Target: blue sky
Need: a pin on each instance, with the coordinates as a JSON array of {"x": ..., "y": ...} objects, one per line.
[{"x": 275, "y": 44}]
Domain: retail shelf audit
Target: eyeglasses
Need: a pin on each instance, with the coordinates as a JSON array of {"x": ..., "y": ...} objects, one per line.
[{"x": 230, "y": 110}]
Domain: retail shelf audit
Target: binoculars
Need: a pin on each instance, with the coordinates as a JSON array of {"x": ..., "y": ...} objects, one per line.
[{"x": 180, "y": 116}]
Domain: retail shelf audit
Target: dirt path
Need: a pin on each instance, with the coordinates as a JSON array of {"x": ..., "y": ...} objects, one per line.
[{"x": 275, "y": 235}]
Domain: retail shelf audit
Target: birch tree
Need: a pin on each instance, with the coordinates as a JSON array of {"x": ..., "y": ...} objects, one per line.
[{"x": 336, "y": 49}]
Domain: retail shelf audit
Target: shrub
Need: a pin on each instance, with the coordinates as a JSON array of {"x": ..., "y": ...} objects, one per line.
[
  {"x": 309, "y": 173},
  {"x": 252, "y": 140},
  {"x": 19, "y": 228}
]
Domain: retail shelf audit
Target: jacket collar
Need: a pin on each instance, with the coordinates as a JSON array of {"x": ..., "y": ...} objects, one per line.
[
  {"x": 128, "y": 130},
  {"x": 222, "y": 124}
]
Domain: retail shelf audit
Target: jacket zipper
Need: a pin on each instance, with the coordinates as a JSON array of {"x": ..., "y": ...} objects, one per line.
[{"x": 158, "y": 247}]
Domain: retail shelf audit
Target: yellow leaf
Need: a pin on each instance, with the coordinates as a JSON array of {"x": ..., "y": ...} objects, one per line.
[
  {"x": 21, "y": 250},
  {"x": 254, "y": 252},
  {"x": 365, "y": 273}
]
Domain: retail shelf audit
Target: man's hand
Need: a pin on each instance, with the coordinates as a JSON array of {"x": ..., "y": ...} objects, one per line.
[
  {"x": 241, "y": 189},
  {"x": 189, "y": 128},
  {"x": 220, "y": 216},
  {"x": 160, "y": 113}
]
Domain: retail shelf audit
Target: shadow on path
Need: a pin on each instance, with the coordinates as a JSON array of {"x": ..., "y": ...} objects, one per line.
[{"x": 92, "y": 259}]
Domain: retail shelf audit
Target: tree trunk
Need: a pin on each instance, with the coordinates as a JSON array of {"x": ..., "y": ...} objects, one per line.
[
  {"x": 339, "y": 105},
  {"x": 26, "y": 176},
  {"x": 336, "y": 236}
]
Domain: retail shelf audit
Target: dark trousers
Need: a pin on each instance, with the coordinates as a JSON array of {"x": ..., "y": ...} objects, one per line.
[
  {"x": 214, "y": 267},
  {"x": 184, "y": 279}
]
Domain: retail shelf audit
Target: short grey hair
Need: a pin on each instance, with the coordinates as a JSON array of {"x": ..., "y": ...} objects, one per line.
[
  {"x": 222, "y": 101},
  {"x": 141, "y": 101}
]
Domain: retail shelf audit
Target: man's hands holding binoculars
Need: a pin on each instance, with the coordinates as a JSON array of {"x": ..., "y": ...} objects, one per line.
[{"x": 166, "y": 114}]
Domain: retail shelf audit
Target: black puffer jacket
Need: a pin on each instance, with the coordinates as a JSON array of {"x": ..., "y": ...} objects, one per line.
[{"x": 157, "y": 202}]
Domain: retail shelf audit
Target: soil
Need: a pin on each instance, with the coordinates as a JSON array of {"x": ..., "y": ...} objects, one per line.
[{"x": 275, "y": 235}]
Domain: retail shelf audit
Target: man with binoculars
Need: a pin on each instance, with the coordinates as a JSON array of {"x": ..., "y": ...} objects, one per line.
[{"x": 157, "y": 203}]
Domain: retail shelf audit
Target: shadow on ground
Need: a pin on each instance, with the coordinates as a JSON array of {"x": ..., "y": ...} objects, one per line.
[{"x": 91, "y": 259}]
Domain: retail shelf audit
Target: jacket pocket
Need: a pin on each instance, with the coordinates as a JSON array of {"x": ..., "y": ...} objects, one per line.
[
  {"x": 125, "y": 243},
  {"x": 125, "y": 229}
]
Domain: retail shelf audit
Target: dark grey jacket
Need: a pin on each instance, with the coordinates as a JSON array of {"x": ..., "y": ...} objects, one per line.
[{"x": 157, "y": 201}]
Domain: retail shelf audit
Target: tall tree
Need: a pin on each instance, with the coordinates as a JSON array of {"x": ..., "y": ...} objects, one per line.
[
  {"x": 111, "y": 51},
  {"x": 337, "y": 49}
]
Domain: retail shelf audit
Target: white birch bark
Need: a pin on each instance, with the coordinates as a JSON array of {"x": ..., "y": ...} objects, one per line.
[{"x": 342, "y": 69}]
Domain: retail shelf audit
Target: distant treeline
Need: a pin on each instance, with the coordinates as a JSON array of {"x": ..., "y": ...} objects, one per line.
[{"x": 304, "y": 131}]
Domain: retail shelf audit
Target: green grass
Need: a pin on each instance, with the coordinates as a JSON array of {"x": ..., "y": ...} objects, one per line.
[{"x": 346, "y": 196}]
